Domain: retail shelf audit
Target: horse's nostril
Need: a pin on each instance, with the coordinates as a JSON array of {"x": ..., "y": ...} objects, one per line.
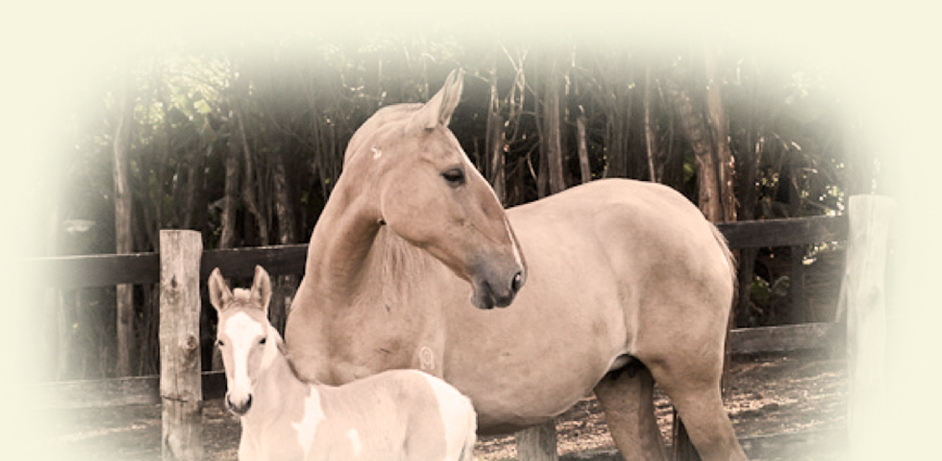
[
  {"x": 248, "y": 403},
  {"x": 517, "y": 282}
]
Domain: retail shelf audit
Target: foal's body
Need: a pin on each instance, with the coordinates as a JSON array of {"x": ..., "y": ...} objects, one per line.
[
  {"x": 618, "y": 272},
  {"x": 396, "y": 415}
]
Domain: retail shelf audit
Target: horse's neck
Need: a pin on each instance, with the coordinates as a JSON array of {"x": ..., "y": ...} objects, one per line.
[
  {"x": 342, "y": 240},
  {"x": 350, "y": 251}
]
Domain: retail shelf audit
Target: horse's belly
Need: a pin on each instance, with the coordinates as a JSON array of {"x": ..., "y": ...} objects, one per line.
[{"x": 535, "y": 359}]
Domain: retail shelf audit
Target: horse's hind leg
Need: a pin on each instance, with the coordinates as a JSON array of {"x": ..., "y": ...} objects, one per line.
[
  {"x": 700, "y": 406},
  {"x": 627, "y": 397}
]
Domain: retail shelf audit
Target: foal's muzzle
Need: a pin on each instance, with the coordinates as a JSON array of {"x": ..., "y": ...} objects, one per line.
[{"x": 238, "y": 408}]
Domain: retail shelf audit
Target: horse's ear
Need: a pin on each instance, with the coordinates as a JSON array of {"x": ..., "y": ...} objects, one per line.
[
  {"x": 261, "y": 288},
  {"x": 438, "y": 110},
  {"x": 219, "y": 293}
]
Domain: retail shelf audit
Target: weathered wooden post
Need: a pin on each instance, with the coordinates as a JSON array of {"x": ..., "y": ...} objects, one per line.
[
  {"x": 537, "y": 443},
  {"x": 181, "y": 394},
  {"x": 869, "y": 219}
]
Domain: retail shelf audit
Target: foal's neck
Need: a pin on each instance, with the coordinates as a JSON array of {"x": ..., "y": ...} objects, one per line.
[{"x": 278, "y": 387}]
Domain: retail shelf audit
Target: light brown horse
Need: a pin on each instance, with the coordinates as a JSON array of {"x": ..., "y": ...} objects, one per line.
[
  {"x": 627, "y": 283},
  {"x": 395, "y": 415}
]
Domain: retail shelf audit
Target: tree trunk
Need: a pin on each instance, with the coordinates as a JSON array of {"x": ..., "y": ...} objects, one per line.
[
  {"x": 122, "y": 215},
  {"x": 618, "y": 123},
  {"x": 649, "y": 129},
  {"x": 495, "y": 140},
  {"x": 250, "y": 182},
  {"x": 720, "y": 134},
  {"x": 192, "y": 206},
  {"x": 584, "y": 170},
  {"x": 551, "y": 129},
  {"x": 231, "y": 198},
  {"x": 286, "y": 285}
]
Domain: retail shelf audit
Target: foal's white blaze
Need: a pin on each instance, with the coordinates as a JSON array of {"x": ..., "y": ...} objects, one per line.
[
  {"x": 313, "y": 416},
  {"x": 242, "y": 326},
  {"x": 354, "y": 437}
]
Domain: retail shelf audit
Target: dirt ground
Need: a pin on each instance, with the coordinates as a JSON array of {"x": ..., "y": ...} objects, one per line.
[{"x": 770, "y": 394}]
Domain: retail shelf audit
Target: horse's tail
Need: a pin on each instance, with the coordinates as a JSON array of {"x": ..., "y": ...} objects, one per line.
[{"x": 727, "y": 253}]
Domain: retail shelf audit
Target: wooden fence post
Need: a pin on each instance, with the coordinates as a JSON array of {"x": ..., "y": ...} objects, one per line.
[
  {"x": 869, "y": 220},
  {"x": 537, "y": 443},
  {"x": 181, "y": 394}
]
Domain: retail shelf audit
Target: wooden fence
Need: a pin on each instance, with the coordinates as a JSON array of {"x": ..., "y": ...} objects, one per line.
[{"x": 181, "y": 266}]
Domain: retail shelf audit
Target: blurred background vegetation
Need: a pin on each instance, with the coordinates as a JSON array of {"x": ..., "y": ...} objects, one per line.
[{"x": 241, "y": 136}]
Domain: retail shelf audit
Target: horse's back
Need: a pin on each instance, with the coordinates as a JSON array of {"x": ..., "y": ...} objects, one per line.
[{"x": 626, "y": 226}]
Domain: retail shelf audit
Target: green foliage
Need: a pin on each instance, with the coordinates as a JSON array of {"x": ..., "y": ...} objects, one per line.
[{"x": 303, "y": 93}]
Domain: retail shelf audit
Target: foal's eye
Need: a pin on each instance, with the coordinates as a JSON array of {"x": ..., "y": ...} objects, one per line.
[
  {"x": 262, "y": 341},
  {"x": 219, "y": 343},
  {"x": 454, "y": 176}
]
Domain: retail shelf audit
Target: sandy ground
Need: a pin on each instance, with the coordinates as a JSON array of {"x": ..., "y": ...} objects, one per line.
[{"x": 769, "y": 394}]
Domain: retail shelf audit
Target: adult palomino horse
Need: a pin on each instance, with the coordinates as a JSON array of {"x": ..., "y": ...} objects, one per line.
[
  {"x": 627, "y": 283},
  {"x": 394, "y": 415}
]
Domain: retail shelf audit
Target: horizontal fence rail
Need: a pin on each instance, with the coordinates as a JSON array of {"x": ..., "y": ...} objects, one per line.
[
  {"x": 145, "y": 390},
  {"x": 140, "y": 268}
]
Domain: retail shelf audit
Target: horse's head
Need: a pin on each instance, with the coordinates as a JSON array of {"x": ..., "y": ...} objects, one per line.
[
  {"x": 431, "y": 195},
  {"x": 247, "y": 341}
]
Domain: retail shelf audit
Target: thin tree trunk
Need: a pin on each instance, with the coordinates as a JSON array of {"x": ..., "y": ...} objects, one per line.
[
  {"x": 748, "y": 197},
  {"x": 584, "y": 170},
  {"x": 618, "y": 122},
  {"x": 698, "y": 136},
  {"x": 286, "y": 285},
  {"x": 123, "y": 237},
  {"x": 649, "y": 131},
  {"x": 495, "y": 139},
  {"x": 551, "y": 129},
  {"x": 720, "y": 131},
  {"x": 250, "y": 182},
  {"x": 231, "y": 198},
  {"x": 192, "y": 193}
]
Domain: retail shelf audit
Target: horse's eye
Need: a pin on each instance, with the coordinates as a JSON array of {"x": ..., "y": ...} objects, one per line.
[
  {"x": 219, "y": 343},
  {"x": 262, "y": 341},
  {"x": 454, "y": 176}
]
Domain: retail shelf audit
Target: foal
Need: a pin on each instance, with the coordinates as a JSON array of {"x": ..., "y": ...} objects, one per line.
[{"x": 394, "y": 415}]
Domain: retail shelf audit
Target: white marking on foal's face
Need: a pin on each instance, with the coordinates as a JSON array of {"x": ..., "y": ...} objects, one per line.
[
  {"x": 246, "y": 353},
  {"x": 313, "y": 416},
  {"x": 242, "y": 332},
  {"x": 377, "y": 153}
]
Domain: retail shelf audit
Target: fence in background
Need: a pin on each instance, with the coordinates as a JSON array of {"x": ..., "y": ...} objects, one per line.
[{"x": 181, "y": 266}]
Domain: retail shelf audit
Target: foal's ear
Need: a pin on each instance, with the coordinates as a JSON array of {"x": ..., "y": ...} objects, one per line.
[
  {"x": 438, "y": 110},
  {"x": 261, "y": 288},
  {"x": 219, "y": 293}
]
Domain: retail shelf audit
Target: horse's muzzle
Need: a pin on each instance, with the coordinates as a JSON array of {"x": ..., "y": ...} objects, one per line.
[
  {"x": 239, "y": 408},
  {"x": 486, "y": 296}
]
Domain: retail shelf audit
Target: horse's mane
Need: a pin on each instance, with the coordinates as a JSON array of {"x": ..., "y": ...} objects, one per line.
[{"x": 400, "y": 260}]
